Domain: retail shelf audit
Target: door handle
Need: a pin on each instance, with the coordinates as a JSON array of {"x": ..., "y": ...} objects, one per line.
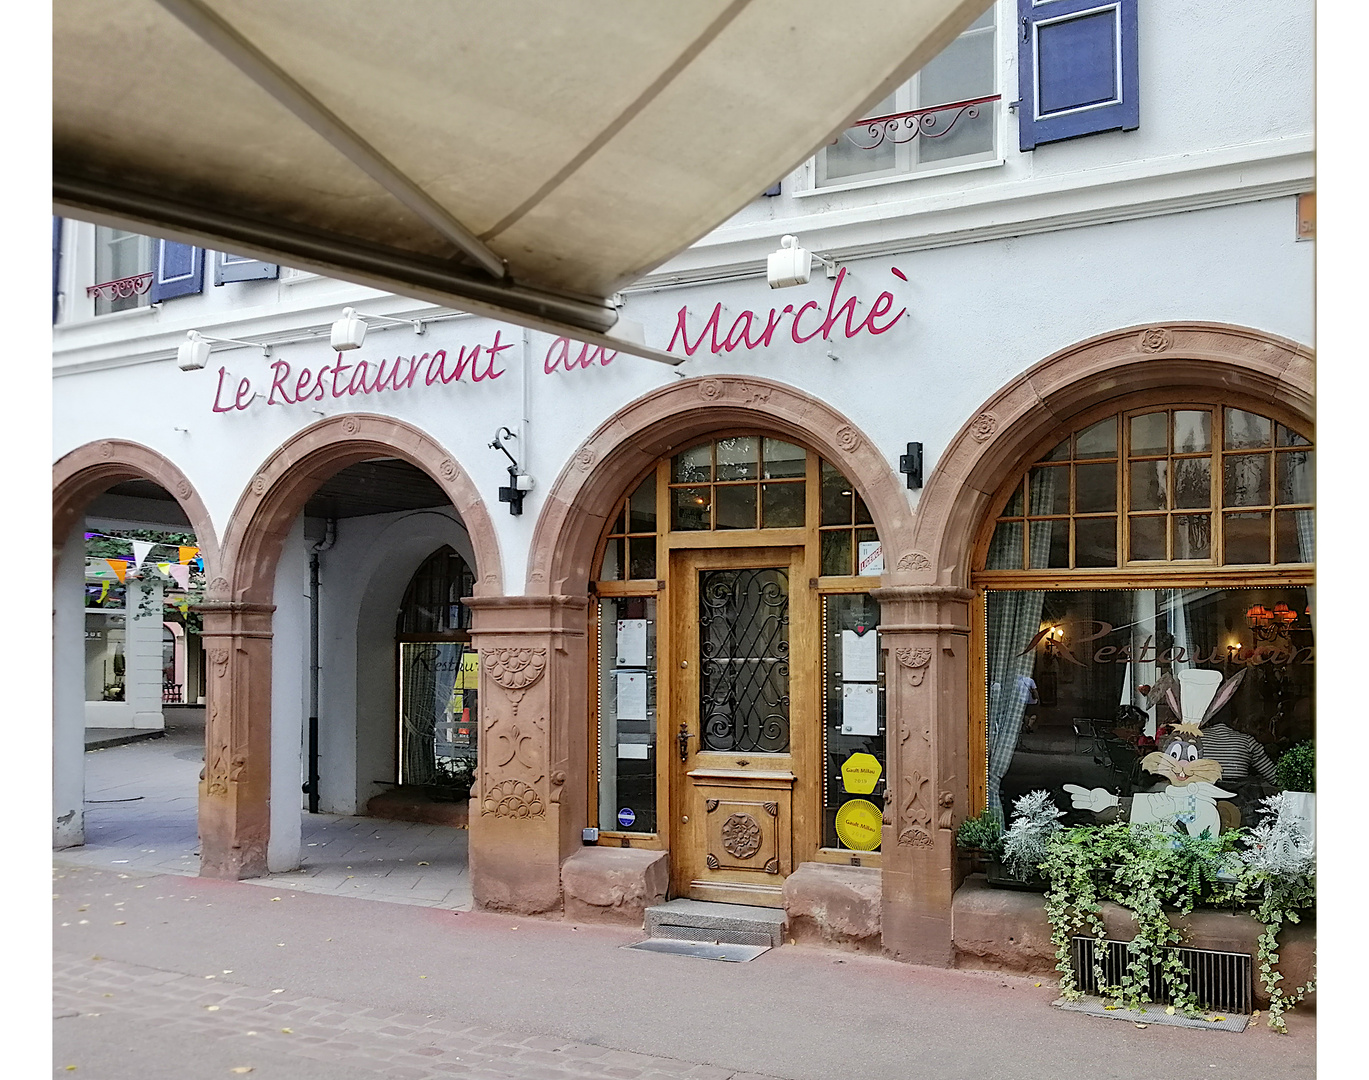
[{"x": 682, "y": 738}]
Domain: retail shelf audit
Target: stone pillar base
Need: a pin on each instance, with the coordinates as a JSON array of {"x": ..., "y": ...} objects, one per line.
[
  {"x": 834, "y": 905},
  {"x": 603, "y": 884}
]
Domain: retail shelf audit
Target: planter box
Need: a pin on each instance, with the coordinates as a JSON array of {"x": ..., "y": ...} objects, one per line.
[
  {"x": 999, "y": 877},
  {"x": 1006, "y": 930}
]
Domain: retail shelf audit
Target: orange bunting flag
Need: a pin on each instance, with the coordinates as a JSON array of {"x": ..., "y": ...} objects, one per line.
[
  {"x": 188, "y": 553},
  {"x": 120, "y": 568}
]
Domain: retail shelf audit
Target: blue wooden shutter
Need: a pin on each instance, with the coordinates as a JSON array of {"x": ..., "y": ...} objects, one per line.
[
  {"x": 236, "y": 268},
  {"x": 1077, "y": 70},
  {"x": 177, "y": 270}
]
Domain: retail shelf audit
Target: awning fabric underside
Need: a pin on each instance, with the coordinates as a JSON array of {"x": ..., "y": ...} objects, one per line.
[{"x": 524, "y": 159}]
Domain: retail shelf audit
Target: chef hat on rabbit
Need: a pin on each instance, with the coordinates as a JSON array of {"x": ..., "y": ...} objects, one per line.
[{"x": 1197, "y": 688}]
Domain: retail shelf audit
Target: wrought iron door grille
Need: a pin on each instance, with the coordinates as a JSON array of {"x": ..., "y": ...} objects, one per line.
[
  {"x": 1221, "y": 981},
  {"x": 744, "y": 660}
]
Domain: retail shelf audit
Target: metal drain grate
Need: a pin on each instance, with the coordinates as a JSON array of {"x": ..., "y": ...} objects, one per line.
[
  {"x": 1221, "y": 981},
  {"x": 708, "y": 933}
]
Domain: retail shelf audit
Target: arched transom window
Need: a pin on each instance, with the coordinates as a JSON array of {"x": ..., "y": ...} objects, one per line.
[{"x": 1187, "y": 484}]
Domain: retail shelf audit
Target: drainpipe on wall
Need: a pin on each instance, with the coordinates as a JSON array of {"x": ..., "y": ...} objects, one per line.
[{"x": 329, "y": 538}]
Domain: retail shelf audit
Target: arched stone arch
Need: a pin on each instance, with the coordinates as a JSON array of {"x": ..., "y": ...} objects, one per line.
[
  {"x": 529, "y": 810},
  {"x": 640, "y": 433},
  {"x": 78, "y": 477},
  {"x": 1179, "y": 357},
  {"x": 89, "y": 470},
  {"x": 235, "y": 794},
  {"x": 278, "y": 491}
]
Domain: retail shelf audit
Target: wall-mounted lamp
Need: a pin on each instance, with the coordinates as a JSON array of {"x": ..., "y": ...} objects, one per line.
[
  {"x": 793, "y": 265},
  {"x": 350, "y": 330},
  {"x": 910, "y": 464},
  {"x": 520, "y": 483},
  {"x": 1053, "y": 640},
  {"x": 193, "y": 353}
]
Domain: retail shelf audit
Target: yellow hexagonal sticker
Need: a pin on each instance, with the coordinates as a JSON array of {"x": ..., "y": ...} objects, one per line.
[{"x": 860, "y": 773}]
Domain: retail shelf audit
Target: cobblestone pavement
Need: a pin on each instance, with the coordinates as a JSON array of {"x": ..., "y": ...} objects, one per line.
[
  {"x": 141, "y": 805},
  {"x": 168, "y": 977},
  {"x": 278, "y": 1033}
]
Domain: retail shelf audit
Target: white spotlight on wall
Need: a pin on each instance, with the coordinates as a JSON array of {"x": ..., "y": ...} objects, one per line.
[
  {"x": 193, "y": 353},
  {"x": 793, "y": 265},
  {"x": 350, "y": 331}
]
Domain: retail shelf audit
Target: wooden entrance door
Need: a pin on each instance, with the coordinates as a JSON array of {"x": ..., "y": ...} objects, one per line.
[{"x": 744, "y": 695}]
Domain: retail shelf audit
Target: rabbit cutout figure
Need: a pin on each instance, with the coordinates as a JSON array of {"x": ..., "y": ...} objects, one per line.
[{"x": 1189, "y": 800}]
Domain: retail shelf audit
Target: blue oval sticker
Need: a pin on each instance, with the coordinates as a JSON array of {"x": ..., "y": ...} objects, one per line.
[{"x": 626, "y": 817}]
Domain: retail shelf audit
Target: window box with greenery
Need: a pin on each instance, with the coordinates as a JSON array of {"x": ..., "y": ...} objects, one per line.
[
  {"x": 1268, "y": 871},
  {"x": 980, "y": 840}
]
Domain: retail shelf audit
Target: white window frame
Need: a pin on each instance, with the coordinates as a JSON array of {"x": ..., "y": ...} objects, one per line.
[
  {"x": 148, "y": 259},
  {"x": 906, "y": 166}
]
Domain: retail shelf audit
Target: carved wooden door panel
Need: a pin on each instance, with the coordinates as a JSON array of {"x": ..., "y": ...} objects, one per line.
[{"x": 743, "y": 694}]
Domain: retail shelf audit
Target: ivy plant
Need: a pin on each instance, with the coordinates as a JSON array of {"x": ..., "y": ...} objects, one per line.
[{"x": 1156, "y": 872}]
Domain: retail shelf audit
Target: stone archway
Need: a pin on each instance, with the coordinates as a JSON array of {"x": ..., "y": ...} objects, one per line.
[
  {"x": 1010, "y": 425},
  {"x": 78, "y": 477},
  {"x": 531, "y": 801},
  {"x": 932, "y": 693},
  {"x": 630, "y": 440},
  {"x": 83, "y": 473},
  {"x": 235, "y": 794}
]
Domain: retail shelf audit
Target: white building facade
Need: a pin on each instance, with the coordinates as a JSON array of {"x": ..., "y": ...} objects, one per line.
[{"x": 1107, "y": 299}]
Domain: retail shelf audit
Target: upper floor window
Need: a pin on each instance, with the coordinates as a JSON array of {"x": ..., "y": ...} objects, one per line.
[
  {"x": 1185, "y": 484},
  {"x": 132, "y": 271},
  {"x": 123, "y": 270},
  {"x": 946, "y": 114}
]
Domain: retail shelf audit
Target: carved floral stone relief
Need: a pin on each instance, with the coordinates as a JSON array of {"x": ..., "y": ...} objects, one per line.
[
  {"x": 514, "y": 777},
  {"x": 917, "y": 813},
  {"x": 915, "y": 660}
]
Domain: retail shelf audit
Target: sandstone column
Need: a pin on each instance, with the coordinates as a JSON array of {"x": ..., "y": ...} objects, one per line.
[
  {"x": 529, "y": 802},
  {"x": 925, "y": 632},
  {"x": 235, "y": 791}
]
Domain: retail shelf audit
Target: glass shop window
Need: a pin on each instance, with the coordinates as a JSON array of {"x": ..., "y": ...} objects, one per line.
[
  {"x": 432, "y": 602},
  {"x": 1073, "y": 685},
  {"x": 105, "y": 661},
  {"x": 853, "y": 759},
  {"x": 439, "y": 716},
  {"x": 627, "y": 714},
  {"x": 439, "y": 678}
]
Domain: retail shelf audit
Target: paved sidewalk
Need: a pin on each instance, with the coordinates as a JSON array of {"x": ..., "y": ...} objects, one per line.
[
  {"x": 163, "y": 977},
  {"x": 141, "y": 805}
]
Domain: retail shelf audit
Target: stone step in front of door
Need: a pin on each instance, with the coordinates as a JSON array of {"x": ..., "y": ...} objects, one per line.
[{"x": 698, "y": 920}]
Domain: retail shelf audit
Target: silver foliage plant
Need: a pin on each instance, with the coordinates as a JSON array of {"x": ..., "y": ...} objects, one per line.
[
  {"x": 1280, "y": 845},
  {"x": 1035, "y": 821}
]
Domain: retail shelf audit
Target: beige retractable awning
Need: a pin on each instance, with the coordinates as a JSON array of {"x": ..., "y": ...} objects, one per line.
[{"x": 523, "y": 159}]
